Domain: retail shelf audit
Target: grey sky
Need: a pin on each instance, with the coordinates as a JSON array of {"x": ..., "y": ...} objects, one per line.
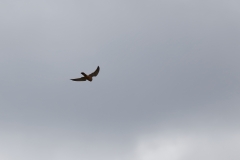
[{"x": 168, "y": 86}]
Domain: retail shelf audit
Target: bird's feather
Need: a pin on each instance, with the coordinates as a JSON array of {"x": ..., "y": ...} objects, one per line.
[
  {"x": 79, "y": 79},
  {"x": 95, "y": 73}
]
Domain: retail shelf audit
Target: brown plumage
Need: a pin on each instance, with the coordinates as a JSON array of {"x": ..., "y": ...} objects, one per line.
[{"x": 88, "y": 77}]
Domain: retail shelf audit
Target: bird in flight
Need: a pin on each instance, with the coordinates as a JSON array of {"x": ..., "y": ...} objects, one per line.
[{"x": 87, "y": 77}]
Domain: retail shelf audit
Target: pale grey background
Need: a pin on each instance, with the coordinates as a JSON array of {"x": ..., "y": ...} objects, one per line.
[{"x": 168, "y": 86}]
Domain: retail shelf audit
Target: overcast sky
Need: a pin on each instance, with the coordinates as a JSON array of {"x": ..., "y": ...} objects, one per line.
[{"x": 168, "y": 87}]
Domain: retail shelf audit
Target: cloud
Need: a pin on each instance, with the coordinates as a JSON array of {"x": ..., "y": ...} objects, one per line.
[
  {"x": 179, "y": 146},
  {"x": 169, "y": 66}
]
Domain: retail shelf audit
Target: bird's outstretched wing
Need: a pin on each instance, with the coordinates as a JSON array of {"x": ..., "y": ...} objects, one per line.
[
  {"x": 79, "y": 79},
  {"x": 95, "y": 73}
]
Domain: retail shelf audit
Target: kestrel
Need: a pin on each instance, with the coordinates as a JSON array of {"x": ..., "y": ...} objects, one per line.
[{"x": 87, "y": 77}]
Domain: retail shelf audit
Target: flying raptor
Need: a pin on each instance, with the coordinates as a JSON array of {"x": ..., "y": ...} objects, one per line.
[{"x": 87, "y": 77}]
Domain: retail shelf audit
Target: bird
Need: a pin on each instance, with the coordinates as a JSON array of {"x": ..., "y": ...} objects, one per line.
[{"x": 87, "y": 77}]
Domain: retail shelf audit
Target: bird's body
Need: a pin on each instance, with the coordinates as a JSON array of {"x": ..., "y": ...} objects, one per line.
[{"x": 87, "y": 77}]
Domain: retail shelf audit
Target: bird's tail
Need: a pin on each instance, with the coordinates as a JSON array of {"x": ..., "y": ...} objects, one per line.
[{"x": 84, "y": 74}]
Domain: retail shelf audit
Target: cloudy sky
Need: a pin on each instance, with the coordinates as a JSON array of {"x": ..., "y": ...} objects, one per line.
[{"x": 168, "y": 86}]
